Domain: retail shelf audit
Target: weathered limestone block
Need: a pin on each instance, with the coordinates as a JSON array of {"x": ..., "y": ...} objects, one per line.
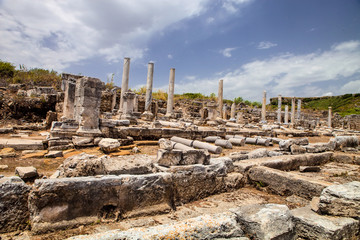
[
  {"x": 66, "y": 202},
  {"x": 87, "y": 104},
  {"x": 346, "y": 141},
  {"x": 81, "y": 165},
  {"x": 285, "y": 183},
  {"x": 109, "y": 145},
  {"x": 310, "y": 225},
  {"x": 268, "y": 221},
  {"x": 90, "y": 165},
  {"x": 320, "y": 147},
  {"x": 217, "y": 226},
  {"x": 169, "y": 157},
  {"x": 341, "y": 200},
  {"x": 13, "y": 204},
  {"x": 7, "y": 152},
  {"x": 195, "y": 156},
  {"x": 296, "y": 149},
  {"x": 258, "y": 153},
  {"x": 342, "y": 158},
  {"x": 26, "y": 173},
  {"x": 82, "y": 141},
  {"x": 54, "y": 154},
  {"x": 198, "y": 181}
]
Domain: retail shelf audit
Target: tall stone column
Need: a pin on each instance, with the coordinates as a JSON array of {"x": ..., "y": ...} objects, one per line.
[
  {"x": 293, "y": 110},
  {"x": 114, "y": 98},
  {"x": 87, "y": 105},
  {"x": 170, "y": 102},
  {"x": 263, "y": 108},
  {"x": 286, "y": 118},
  {"x": 298, "y": 109},
  {"x": 69, "y": 99},
  {"x": 329, "y": 117},
  {"x": 149, "y": 85},
  {"x": 232, "y": 113},
  {"x": 279, "y": 110},
  {"x": 220, "y": 97},
  {"x": 125, "y": 82}
]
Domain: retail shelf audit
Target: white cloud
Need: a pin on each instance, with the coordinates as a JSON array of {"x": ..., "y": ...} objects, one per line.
[
  {"x": 232, "y": 6},
  {"x": 227, "y": 52},
  {"x": 328, "y": 94},
  {"x": 266, "y": 45},
  {"x": 55, "y": 34},
  {"x": 210, "y": 20},
  {"x": 351, "y": 87},
  {"x": 288, "y": 74},
  {"x": 170, "y": 56}
]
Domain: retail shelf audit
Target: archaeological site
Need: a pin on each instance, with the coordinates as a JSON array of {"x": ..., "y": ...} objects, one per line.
[{"x": 89, "y": 160}]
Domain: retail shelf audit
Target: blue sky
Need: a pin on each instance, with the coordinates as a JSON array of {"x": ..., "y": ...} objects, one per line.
[{"x": 294, "y": 48}]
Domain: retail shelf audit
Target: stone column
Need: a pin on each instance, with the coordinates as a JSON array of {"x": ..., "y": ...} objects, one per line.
[
  {"x": 170, "y": 102},
  {"x": 286, "y": 118},
  {"x": 69, "y": 99},
  {"x": 136, "y": 105},
  {"x": 149, "y": 85},
  {"x": 329, "y": 117},
  {"x": 232, "y": 113},
  {"x": 87, "y": 105},
  {"x": 293, "y": 110},
  {"x": 125, "y": 82},
  {"x": 279, "y": 110},
  {"x": 263, "y": 109},
  {"x": 298, "y": 109},
  {"x": 128, "y": 107},
  {"x": 114, "y": 99},
  {"x": 220, "y": 97}
]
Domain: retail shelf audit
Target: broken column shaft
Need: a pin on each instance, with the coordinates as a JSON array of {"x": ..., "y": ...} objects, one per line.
[
  {"x": 279, "y": 110},
  {"x": 263, "y": 109},
  {"x": 149, "y": 85},
  {"x": 220, "y": 97},
  {"x": 293, "y": 110}
]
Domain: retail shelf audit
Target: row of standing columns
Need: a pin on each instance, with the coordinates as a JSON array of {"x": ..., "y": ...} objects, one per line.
[{"x": 126, "y": 108}]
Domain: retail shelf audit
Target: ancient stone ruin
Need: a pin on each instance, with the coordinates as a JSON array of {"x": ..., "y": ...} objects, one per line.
[{"x": 110, "y": 164}]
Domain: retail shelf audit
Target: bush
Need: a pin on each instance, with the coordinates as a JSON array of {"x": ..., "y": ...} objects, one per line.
[{"x": 7, "y": 70}]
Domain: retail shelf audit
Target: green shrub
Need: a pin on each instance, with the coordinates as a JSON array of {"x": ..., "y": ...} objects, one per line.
[{"x": 7, "y": 70}]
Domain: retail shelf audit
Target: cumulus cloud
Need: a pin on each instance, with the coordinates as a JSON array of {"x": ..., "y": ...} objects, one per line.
[
  {"x": 266, "y": 45},
  {"x": 170, "y": 56},
  {"x": 288, "y": 74},
  {"x": 351, "y": 87},
  {"x": 227, "y": 52},
  {"x": 55, "y": 34}
]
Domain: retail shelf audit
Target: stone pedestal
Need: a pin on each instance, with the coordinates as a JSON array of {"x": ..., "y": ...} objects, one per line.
[
  {"x": 125, "y": 82},
  {"x": 263, "y": 108},
  {"x": 87, "y": 105},
  {"x": 114, "y": 103},
  {"x": 69, "y": 85},
  {"x": 212, "y": 111},
  {"x": 279, "y": 110},
  {"x": 220, "y": 97},
  {"x": 128, "y": 107},
  {"x": 170, "y": 102}
]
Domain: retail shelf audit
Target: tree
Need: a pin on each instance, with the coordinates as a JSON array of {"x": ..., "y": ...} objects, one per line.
[{"x": 238, "y": 100}]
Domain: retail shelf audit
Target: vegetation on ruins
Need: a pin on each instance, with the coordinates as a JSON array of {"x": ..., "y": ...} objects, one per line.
[{"x": 34, "y": 76}]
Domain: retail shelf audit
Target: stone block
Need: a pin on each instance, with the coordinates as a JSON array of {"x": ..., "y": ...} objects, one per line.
[
  {"x": 309, "y": 169},
  {"x": 108, "y": 145},
  {"x": 67, "y": 202},
  {"x": 310, "y": 225},
  {"x": 341, "y": 200},
  {"x": 216, "y": 226},
  {"x": 54, "y": 154},
  {"x": 82, "y": 141},
  {"x": 195, "y": 156},
  {"x": 342, "y": 158},
  {"x": 285, "y": 183},
  {"x": 258, "y": 153},
  {"x": 26, "y": 173},
  {"x": 268, "y": 221},
  {"x": 169, "y": 157},
  {"x": 13, "y": 204},
  {"x": 7, "y": 152},
  {"x": 296, "y": 149}
]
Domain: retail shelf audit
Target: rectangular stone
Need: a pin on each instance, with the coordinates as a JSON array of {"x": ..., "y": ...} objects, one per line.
[{"x": 65, "y": 202}]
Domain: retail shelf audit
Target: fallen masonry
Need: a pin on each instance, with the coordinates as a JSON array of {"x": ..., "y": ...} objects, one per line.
[{"x": 114, "y": 157}]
